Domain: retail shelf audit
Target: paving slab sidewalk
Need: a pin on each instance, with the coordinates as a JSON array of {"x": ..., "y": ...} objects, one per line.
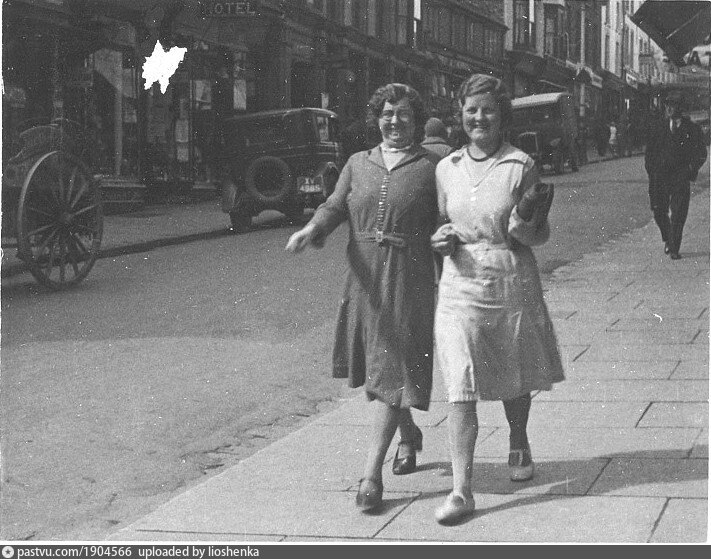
[{"x": 621, "y": 447}]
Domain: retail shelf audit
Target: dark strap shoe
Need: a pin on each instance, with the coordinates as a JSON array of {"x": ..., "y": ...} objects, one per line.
[
  {"x": 407, "y": 464},
  {"x": 370, "y": 494}
]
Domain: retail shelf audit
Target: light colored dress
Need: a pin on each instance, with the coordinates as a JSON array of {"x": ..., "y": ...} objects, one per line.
[
  {"x": 493, "y": 334},
  {"x": 384, "y": 328}
]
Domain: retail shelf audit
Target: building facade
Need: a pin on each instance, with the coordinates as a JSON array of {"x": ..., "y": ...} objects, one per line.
[
  {"x": 589, "y": 48},
  {"x": 82, "y": 60}
]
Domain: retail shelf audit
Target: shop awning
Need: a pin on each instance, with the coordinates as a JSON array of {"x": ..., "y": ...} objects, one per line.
[{"x": 677, "y": 26}]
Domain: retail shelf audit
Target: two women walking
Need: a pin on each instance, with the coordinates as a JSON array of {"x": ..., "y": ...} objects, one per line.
[{"x": 493, "y": 336}]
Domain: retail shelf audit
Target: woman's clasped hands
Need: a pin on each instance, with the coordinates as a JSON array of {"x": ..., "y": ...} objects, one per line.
[{"x": 445, "y": 240}]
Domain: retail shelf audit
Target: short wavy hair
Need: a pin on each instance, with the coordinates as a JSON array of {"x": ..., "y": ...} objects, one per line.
[
  {"x": 392, "y": 93},
  {"x": 483, "y": 83}
]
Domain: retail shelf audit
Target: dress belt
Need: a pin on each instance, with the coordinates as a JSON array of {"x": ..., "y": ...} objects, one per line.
[
  {"x": 382, "y": 238},
  {"x": 483, "y": 246}
]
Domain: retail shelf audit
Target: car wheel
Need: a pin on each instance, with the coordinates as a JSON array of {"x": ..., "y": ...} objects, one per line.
[
  {"x": 241, "y": 221},
  {"x": 268, "y": 179}
]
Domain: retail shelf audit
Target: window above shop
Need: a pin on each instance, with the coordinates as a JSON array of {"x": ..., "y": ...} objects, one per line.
[
  {"x": 524, "y": 24},
  {"x": 555, "y": 35},
  {"x": 395, "y": 22},
  {"x": 459, "y": 30}
]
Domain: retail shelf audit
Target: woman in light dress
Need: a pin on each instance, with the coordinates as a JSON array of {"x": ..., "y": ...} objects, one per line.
[{"x": 493, "y": 335}]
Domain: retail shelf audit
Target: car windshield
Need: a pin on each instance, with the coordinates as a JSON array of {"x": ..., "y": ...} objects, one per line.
[
  {"x": 326, "y": 127},
  {"x": 263, "y": 131},
  {"x": 533, "y": 115}
]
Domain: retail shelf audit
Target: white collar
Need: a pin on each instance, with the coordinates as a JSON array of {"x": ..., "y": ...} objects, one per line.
[{"x": 388, "y": 149}]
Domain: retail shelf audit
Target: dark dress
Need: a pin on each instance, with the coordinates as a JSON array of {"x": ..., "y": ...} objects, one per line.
[{"x": 384, "y": 328}]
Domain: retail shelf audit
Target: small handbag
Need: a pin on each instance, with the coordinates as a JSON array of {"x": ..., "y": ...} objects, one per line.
[
  {"x": 544, "y": 205},
  {"x": 536, "y": 202}
]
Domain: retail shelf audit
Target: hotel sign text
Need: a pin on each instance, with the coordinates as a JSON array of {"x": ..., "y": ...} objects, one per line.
[{"x": 227, "y": 9}]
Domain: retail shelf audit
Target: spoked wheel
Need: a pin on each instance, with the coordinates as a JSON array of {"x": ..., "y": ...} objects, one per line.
[{"x": 59, "y": 220}]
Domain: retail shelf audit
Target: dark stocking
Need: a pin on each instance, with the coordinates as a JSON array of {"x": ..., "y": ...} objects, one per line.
[{"x": 517, "y": 416}]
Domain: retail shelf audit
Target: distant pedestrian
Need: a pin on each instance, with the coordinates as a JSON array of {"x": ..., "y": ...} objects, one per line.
[
  {"x": 384, "y": 339},
  {"x": 613, "y": 142},
  {"x": 623, "y": 135},
  {"x": 602, "y": 136},
  {"x": 674, "y": 154},
  {"x": 435, "y": 138}
]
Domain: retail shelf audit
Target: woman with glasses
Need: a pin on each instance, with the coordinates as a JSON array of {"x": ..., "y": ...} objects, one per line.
[
  {"x": 494, "y": 337},
  {"x": 387, "y": 195}
]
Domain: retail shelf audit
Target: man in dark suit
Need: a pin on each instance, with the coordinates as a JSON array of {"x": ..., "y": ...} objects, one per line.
[{"x": 675, "y": 152}]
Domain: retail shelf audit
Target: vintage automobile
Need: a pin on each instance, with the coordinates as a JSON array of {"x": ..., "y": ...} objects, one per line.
[
  {"x": 545, "y": 126},
  {"x": 285, "y": 160}
]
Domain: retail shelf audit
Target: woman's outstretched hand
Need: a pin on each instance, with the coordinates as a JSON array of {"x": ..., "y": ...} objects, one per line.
[
  {"x": 302, "y": 238},
  {"x": 445, "y": 240}
]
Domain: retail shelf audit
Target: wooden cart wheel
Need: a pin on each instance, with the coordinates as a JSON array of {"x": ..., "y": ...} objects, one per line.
[{"x": 59, "y": 220}]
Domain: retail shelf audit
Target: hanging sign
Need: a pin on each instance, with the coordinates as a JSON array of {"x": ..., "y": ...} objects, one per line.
[{"x": 214, "y": 8}]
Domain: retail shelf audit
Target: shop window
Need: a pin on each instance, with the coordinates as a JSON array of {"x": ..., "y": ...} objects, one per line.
[
  {"x": 129, "y": 115},
  {"x": 106, "y": 111}
]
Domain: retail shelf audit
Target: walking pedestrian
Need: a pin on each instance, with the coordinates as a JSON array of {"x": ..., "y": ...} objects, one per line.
[
  {"x": 602, "y": 136},
  {"x": 674, "y": 154},
  {"x": 613, "y": 141},
  {"x": 435, "y": 138},
  {"x": 493, "y": 334},
  {"x": 384, "y": 331}
]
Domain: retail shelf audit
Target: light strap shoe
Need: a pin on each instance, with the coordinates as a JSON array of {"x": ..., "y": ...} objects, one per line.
[
  {"x": 521, "y": 465},
  {"x": 455, "y": 509}
]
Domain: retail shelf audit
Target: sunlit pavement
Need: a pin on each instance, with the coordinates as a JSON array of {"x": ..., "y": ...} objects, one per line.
[{"x": 621, "y": 447}]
